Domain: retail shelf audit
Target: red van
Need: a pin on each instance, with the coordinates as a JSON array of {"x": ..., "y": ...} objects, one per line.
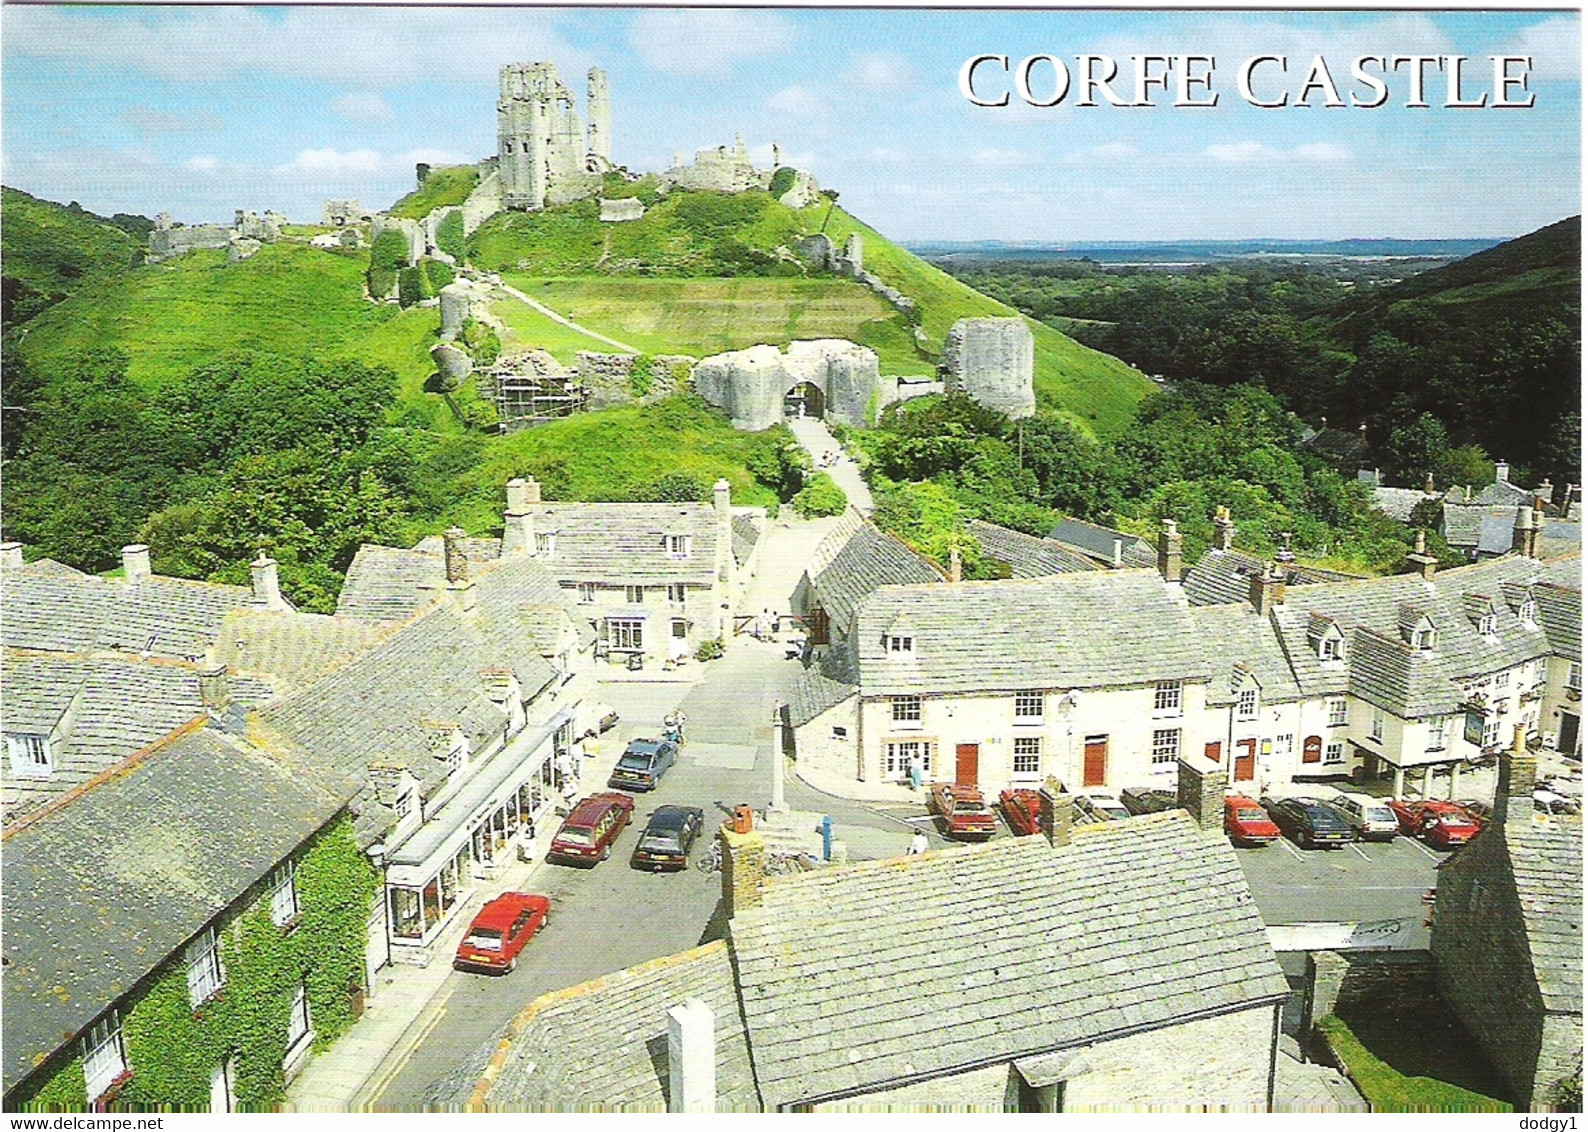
[{"x": 587, "y": 835}]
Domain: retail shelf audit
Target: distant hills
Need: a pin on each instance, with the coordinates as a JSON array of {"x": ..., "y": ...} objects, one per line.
[
  {"x": 1195, "y": 251},
  {"x": 48, "y": 251}
]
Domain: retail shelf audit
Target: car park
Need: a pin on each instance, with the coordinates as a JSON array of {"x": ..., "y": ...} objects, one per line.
[
  {"x": 1547, "y": 801},
  {"x": 1096, "y": 806},
  {"x": 642, "y": 764},
  {"x": 1247, "y": 823},
  {"x": 962, "y": 811},
  {"x": 588, "y": 832},
  {"x": 1148, "y": 800},
  {"x": 499, "y": 932},
  {"x": 668, "y": 836},
  {"x": 1022, "y": 809},
  {"x": 1370, "y": 817},
  {"x": 1444, "y": 825},
  {"x": 1309, "y": 823}
]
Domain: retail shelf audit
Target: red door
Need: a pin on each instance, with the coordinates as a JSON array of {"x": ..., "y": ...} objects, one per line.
[
  {"x": 1245, "y": 760},
  {"x": 1095, "y": 772},
  {"x": 1214, "y": 752},
  {"x": 966, "y": 756},
  {"x": 1312, "y": 749}
]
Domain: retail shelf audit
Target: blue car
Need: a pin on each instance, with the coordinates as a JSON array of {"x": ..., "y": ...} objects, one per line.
[{"x": 643, "y": 764}]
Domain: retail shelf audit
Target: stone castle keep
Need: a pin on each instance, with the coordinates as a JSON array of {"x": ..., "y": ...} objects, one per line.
[{"x": 544, "y": 153}]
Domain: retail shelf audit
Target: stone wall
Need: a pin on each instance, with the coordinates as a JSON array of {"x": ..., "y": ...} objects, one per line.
[
  {"x": 484, "y": 202},
  {"x": 340, "y": 213},
  {"x": 991, "y": 361},
  {"x": 607, "y": 377},
  {"x": 1390, "y": 982},
  {"x": 622, "y": 209},
  {"x": 749, "y": 385},
  {"x": 248, "y": 233}
]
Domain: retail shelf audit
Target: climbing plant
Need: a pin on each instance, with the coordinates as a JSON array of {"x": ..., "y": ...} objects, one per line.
[{"x": 642, "y": 376}]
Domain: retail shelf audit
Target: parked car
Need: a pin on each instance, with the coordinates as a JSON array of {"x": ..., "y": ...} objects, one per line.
[
  {"x": 962, "y": 811},
  {"x": 1309, "y": 823},
  {"x": 1547, "y": 801},
  {"x": 1098, "y": 806},
  {"x": 668, "y": 836},
  {"x": 1371, "y": 817},
  {"x": 1481, "y": 813},
  {"x": 1444, "y": 825},
  {"x": 643, "y": 763},
  {"x": 588, "y": 832},
  {"x": 1148, "y": 799},
  {"x": 500, "y": 932},
  {"x": 1022, "y": 809},
  {"x": 1247, "y": 823}
]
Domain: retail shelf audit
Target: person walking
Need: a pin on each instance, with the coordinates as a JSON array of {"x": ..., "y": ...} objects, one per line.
[
  {"x": 918, "y": 843},
  {"x": 917, "y": 772}
]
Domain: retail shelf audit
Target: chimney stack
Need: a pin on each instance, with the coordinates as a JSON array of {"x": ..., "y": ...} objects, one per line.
[
  {"x": 1119, "y": 553},
  {"x": 743, "y": 867},
  {"x": 1524, "y": 534},
  {"x": 1420, "y": 560},
  {"x": 1201, "y": 790},
  {"x": 1428, "y": 485},
  {"x": 1170, "y": 551},
  {"x": 1513, "y": 795},
  {"x": 1285, "y": 554},
  {"x": 1267, "y": 589},
  {"x": 1544, "y": 496},
  {"x": 457, "y": 562},
  {"x": 214, "y": 689},
  {"x": 1502, "y": 472},
  {"x": 691, "y": 1058},
  {"x": 1225, "y": 527},
  {"x": 10, "y": 556},
  {"x": 1057, "y": 814},
  {"x": 267, "y": 585},
  {"x": 956, "y": 568},
  {"x": 135, "y": 562},
  {"x": 518, "y": 531}
]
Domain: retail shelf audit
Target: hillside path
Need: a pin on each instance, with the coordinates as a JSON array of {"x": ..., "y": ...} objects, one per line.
[
  {"x": 815, "y": 439},
  {"x": 569, "y": 323}
]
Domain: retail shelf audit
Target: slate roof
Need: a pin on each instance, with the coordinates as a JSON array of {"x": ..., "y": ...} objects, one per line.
[
  {"x": 854, "y": 560},
  {"x": 856, "y": 977},
  {"x": 1235, "y": 634},
  {"x": 1098, "y": 543},
  {"x": 102, "y": 709},
  {"x": 79, "y": 613},
  {"x": 625, "y": 543},
  {"x": 1026, "y": 555},
  {"x": 1560, "y": 611},
  {"x": 1099, "y": 629},
  {"x": 1546, "y": 861},
  {"x": 1345, "y": 449},
  {"x": 1222, "y": 576},
  {"x": 748, "y": 527},
  {"x": 1397, "y": 502},
  {"x": 102, "y": 891},
  {"x": 601, "y": 1046},
  {"x": 291, "y": 649},
  {"x": 1462, "y": 525},
  {"x": 815, "y": 692}
]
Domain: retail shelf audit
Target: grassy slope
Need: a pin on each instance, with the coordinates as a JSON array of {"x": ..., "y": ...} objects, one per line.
[
  {"x": 1388, "y": 1090},
  {"x": 54, "y": 249},
  {"x": 442, "y": 188}
]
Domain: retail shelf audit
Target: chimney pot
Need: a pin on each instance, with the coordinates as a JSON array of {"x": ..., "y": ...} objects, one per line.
[
  {"x": 1170, "y": 549},
  {"x": 135, "y": 562},
  {"x": 1513, "y": 797},
  {"x": 10, "y": 556},
  {"x": 1119, "y": 553},
  {"x": 1057, "y": 815},
  {"x": 955, "y": 566},
  {"x": 1226, "y": 528},
  {"x": 1502, "y": 472},
  {"x": 531, "y": 490}
]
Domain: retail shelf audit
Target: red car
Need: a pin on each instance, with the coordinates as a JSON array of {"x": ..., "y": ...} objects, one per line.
[
  {"x": 962, "y": 811},
  {"x": 1022, "y": 810},
  {"x": 500, "y": 932},
  {"x": 587, "y": 835},
  {"x": 1247, "y": 823},
  {"x": 1444, "y": 825}
]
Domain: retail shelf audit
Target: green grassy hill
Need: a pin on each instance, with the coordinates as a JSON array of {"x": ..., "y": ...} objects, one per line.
[
  {"x": 48, "y": 251},
  {"x": 442, "y": 188}
]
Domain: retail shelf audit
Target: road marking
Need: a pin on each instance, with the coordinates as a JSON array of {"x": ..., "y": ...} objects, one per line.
[
  {"x": 399, "y": 1056},
  {"x": 1289, "y": 848},
  {"x": 1355, "y": 849},
  {"x": 1423, "y": 849}
]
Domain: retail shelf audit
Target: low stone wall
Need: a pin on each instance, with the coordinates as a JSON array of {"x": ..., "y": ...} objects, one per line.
[
  {"x": 608, "y": 377},
  {"x": 1394, "y": 982}
]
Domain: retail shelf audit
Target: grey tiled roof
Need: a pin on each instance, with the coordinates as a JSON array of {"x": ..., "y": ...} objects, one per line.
[
  {"x": 855, "y": 977},
  {"x": 100, "y": 892},
  {"x": 1387, "y": 672},
  {"x": 854, "y": 561},
  {"x": 1235, "y": 634},
  {"x": 386, "y": 583},
  {"x": 1098, "y": 543},
  {"x": 1546, "y": 860},
  {"x": 1397, "y": 502},
  {"x": 1503, "y": 493},
  {"x": 1463, "y": 524},
  {"x": 1100, "y": 629},
  {"x": 625, "y": 543},
  {"x": 1026, "y": 555},
  {"x": 78, "y": 613},
  {"x": 291, "y": 649},
  {"x": 602, "y": 1046},
  {"x": 813, "y": 693},
  {"x": 1222, "y": 576},
  {"x": 748, "y": 527},
  {"x": 1560, "y": 610},
  {"x": 106, "y": 708}
]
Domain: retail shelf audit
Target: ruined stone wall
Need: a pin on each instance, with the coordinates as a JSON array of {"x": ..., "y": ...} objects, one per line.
[
  {"x": 165, "y": 243},
  {"x": 543, "y": 152},
  {"x": 749, "y": 385},
  {"x": 991, "y": 361},
  {"x": 411, "y": 230},
  {"x": 340, "y": 213},
  {"x": 622, "y": 209},
  {"x": 484, "y": 202},
  {"x": 608, "y": 377}
]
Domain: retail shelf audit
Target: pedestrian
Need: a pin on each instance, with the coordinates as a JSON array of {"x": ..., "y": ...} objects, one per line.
[
  {"x": 917, "y": 771},
  {"x": 567, "y": 772},
  {"x": 918, "y": 843}
]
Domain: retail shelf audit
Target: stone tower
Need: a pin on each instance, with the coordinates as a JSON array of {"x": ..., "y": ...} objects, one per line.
[
  {"x": 991, "y": 360},
  {"x": 600, "y": 145},
  {"x": 541, "y": 146}
]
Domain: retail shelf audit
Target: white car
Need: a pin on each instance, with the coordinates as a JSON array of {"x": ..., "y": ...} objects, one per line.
[
  {"x": 1099, "y": 806},
  {"x": 1371, "y": 817}
]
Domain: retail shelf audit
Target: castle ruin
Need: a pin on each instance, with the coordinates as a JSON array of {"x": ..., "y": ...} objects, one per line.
[
  {"x": 544, "y": 154},
  {"x": 990, "y": 360}
]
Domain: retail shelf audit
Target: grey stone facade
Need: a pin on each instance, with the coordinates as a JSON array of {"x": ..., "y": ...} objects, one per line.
[
  {"x": 543, "y": 153},
  {"x": 990, "y": 360},
  {"x": 751, "y": 385}
]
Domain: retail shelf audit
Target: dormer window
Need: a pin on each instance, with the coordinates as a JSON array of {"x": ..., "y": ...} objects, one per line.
[
  {"x": 31, "y": 756},
  {"x": 1325, "y": 638},
  {"x": 901, "y": 646},
  {"x": 1488, "y": 625},
  {"x": 1246, "y": 704},
  {"x": 1528, "y": 613},
  {"x": 404, "y": 805},
  {"x": 545, "y": 544},
  {"x": 1331, "y": 647},
  {"x": 1423, "y": 639},
  {"x": 457, "y": 753},
  {"x": 587, "y": 593},
  {"x": 678, "y": 546}
]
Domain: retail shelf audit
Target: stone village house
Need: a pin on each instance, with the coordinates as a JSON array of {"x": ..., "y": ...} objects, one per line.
[{"x": 1105, "y": 678}]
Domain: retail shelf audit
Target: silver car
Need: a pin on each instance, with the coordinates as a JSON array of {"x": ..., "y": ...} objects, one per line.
[{"x": 1371, "y": 817}]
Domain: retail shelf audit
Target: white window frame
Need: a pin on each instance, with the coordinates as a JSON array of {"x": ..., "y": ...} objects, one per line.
[
  {"x": 104, "y": 1056},
  {"x": 1030, "y": 707},
  {"x": 31, "y": 755},
  {"x": 1329, "y": 646},
  {"x": 1168, "y": 698},
  {"x": 1166, "y": 746},
  {"x": 1574, "y": 676},
  {"x": 206, "y": 974},
  {"x": 1027, "y": 762},
  {"x": 1376, "y": 726},
  {"x": 1423, "y": 640},
  {"x": 300, "y": 1027},
  {"x": 628, "y": 634},
  {"x": 457, "y": 753},
  {"x": 1488, "y": 625},
  {"x": 1246, "y": 701},
  {"x": 678, "y": 546},
  {"x": 906, "y": 710},
  {"x": 1438, "y": 726},
  {"x": 1528, "y": 614},
  {"x": 901, "y": 645},
  {"x": 404, "y": 804},
  {"x": 677, "y": 593},
  {"x": 634, "y": 595},
  {"x": 896, "y": 756},
  {"x": 1338, "y": 715},
  {"x": 1502, "y": 679},
  {"x": 1334, "y": 753},
  {"x": 284, "y": 894},
  {"x": 545, "y": 544},
  {"x": 1284, "y": 745},
  {"x": 587, "y": 593},
  {"x": 1491, "y": 732}
]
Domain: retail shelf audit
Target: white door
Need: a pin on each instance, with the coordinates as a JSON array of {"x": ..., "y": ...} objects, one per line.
[
  {"x": 678, "y": 644},
  {"x": 221, "y": 1098}
]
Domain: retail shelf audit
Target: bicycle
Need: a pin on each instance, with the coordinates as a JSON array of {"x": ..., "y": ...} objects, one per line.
[
  {"x": 711, "y": 860},
  {"x": 788, "y": 864}
]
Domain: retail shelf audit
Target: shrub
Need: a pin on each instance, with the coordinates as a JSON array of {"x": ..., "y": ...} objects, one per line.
[
  {"x": 410, "y": 286},
  {"x": 676, "y": 487},
  {"x": 819, "y": 497},
  {"x": 782, "y": 182},
  {"x": 389, "y": 251},
  {"x": 710, "y": 650},
  {"x": 641, "y": 376},
  {"x": 437, "y": 275},
  {"x": 381, "y": 281},
  {"x": 480, "y": 341},
  {"x": 450, "y": 237}
]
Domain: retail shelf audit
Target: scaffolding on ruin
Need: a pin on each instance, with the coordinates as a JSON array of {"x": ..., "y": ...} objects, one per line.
[{"x": 524, "y": 400}]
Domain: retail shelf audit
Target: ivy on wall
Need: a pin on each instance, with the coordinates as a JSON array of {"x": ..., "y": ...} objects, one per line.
[{"x": 172, "y": 1048}]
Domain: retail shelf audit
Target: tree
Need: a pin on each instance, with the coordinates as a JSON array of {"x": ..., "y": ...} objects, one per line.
[{"x": 1416, "y": 449}]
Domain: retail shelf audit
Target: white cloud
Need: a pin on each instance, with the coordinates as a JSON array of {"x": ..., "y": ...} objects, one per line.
[
  {"x": 1239, "y": 153},
  {"x": 1555, "y": 46},
  {"x": 799, "y": 101},
  {"x": 1251, "y": 152},
  {"x": 363, "y": 108},
  {"x": 885, "y": 156},
  {"x": 1321, "y": 151},
  {"x": 881, "y": 72},
  {"x": 331, "y": 162},
  {"x": 1001, "y": 158},
  {"x": 1116, "y": 149},
  {"x": 203, "y": 163},
  {"x": 706, "y": 41}
]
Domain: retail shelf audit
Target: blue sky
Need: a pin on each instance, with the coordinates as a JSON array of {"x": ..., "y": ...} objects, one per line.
[{"x": 198, "y": 111}]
